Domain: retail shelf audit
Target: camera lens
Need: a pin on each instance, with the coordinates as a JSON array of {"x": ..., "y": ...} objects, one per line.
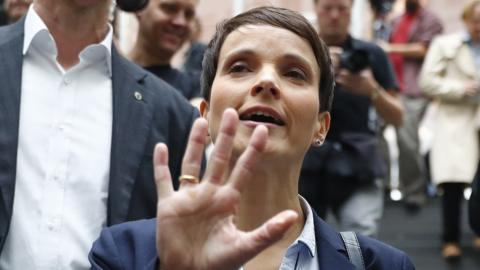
[{"x": 354, "y": 60}]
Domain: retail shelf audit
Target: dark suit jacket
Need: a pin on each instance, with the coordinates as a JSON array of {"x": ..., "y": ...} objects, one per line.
[
  {"x": 161, "y": 115},
  {"x": 132, "y": 246}
]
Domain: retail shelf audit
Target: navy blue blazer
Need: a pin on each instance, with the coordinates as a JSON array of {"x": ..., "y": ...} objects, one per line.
[
  {"x": 132, "y": 246},
  {"x": 161, "y": 115}
]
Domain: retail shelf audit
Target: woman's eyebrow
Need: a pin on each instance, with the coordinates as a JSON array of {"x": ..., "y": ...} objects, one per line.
[
  {"x": 308, "y": 65},
  {"x": 238, "y": 52},
  {"x": 298, "y": 58},
  {"x": 293, "y": 57}
]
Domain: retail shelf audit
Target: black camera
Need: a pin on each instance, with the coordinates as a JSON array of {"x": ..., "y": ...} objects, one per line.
[
  {"x": 354, "y": 60},
  {"x": 132, "y": 5}
]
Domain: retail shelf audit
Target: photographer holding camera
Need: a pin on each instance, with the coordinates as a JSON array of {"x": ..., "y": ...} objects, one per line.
[{"x": 346, "y": 173}]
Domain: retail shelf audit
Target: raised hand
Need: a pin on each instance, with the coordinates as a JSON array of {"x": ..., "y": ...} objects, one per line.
[{"x": 195, "y": 227}]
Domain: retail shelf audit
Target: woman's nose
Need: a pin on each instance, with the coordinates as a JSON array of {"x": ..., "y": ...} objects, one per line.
[{"x": 266, "y": 84}]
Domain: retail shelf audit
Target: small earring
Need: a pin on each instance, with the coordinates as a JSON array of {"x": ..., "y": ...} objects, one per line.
[{"x": 319, "y": 141}]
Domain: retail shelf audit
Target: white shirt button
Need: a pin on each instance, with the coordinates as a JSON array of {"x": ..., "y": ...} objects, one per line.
[
  {"x": 67, "y": 81},
  {"x": 50, "y": 226}
]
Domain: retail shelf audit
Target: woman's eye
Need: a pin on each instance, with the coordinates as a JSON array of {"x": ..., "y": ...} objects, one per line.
[
  {"x": 296, "y": 74},
  {"x": 236, "y": 68}
]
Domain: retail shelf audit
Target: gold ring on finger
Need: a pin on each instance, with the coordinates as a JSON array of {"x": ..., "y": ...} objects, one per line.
[{"x": 189, "y": 179}]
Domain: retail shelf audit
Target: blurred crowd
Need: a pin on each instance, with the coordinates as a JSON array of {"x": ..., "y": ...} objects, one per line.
[{"x": 410, "y": 76}]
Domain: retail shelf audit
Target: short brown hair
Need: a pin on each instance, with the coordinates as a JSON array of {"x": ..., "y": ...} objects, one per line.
[{"x": 277, "y": 17}]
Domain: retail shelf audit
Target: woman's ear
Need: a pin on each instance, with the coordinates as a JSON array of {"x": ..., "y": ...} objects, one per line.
[
  {"x": 324, "y": 118},
  {"x": 204, "y": 109},
  {"x": 323, "y": 127}
]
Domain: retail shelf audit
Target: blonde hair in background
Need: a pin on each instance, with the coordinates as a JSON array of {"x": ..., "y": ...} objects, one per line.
[{"x": 469, "y": 8}]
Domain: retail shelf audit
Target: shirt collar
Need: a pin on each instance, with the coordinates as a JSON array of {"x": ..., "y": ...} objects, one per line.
[
  {"x": 466, "y": 38},
  {"x": 35, "y": 27},
  {"x": 98, "y": 52},
  {"x": 307, "y": 237}
]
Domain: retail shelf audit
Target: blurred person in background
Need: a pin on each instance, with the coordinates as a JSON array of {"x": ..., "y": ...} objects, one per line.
[
  {"x": 78, "y": 123},
  {"x": 196, "y": 49},
  {"x": 15, "y": 9},
  {"x": 450, "y": 76},
  {"x": 164, "y": 26},
  {"x": 12, "y": 10},
  {"x": 381, "y": 26},
  {"x": 346, "y": 174},
  {"x": 411, "y": 33}
]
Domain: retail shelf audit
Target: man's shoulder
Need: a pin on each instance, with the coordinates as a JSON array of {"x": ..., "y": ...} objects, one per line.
[
  {"x": 429, "y": 24},
  {"x": 425, "y": 17},
  {"x": 379, "y": 255},
  {"x": 168, "y": 101},
  {"x": 448, "y": 43},
  {"x": 148, "y": 80},
  {"x": 161, "y": 92},
  {"x": 12, "y": 31},
  {"x": 427, "y": 13},
  {"x": 187, "y": 82},
  {"x": 450, "y": 38},
  {"x": 366, "y": 45}
]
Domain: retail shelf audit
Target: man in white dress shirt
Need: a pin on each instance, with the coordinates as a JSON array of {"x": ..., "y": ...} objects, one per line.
[{"x": 77, "y": 128}]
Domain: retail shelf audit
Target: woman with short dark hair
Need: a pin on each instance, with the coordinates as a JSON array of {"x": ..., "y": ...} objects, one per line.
[{"x": 267, "y": 83}]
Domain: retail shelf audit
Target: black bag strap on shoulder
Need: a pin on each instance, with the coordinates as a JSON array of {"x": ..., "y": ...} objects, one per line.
[{"x": 353, "y": 249}]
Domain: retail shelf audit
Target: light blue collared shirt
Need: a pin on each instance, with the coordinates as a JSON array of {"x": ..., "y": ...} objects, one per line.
[
  {"x": 474, "y": 48},
  {"x": 302, "y": 253}
]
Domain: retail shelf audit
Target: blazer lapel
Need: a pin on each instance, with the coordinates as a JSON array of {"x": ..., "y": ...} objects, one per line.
[
  {"x": 11, "y": 43},
  {"x": 131, "y": 123},
  {"x": 331, "y": 251}
]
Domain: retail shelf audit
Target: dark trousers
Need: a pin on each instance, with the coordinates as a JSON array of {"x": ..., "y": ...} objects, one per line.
[
  {"x": 474, "y": 204},
  {"x": 451, "y": 211}
]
